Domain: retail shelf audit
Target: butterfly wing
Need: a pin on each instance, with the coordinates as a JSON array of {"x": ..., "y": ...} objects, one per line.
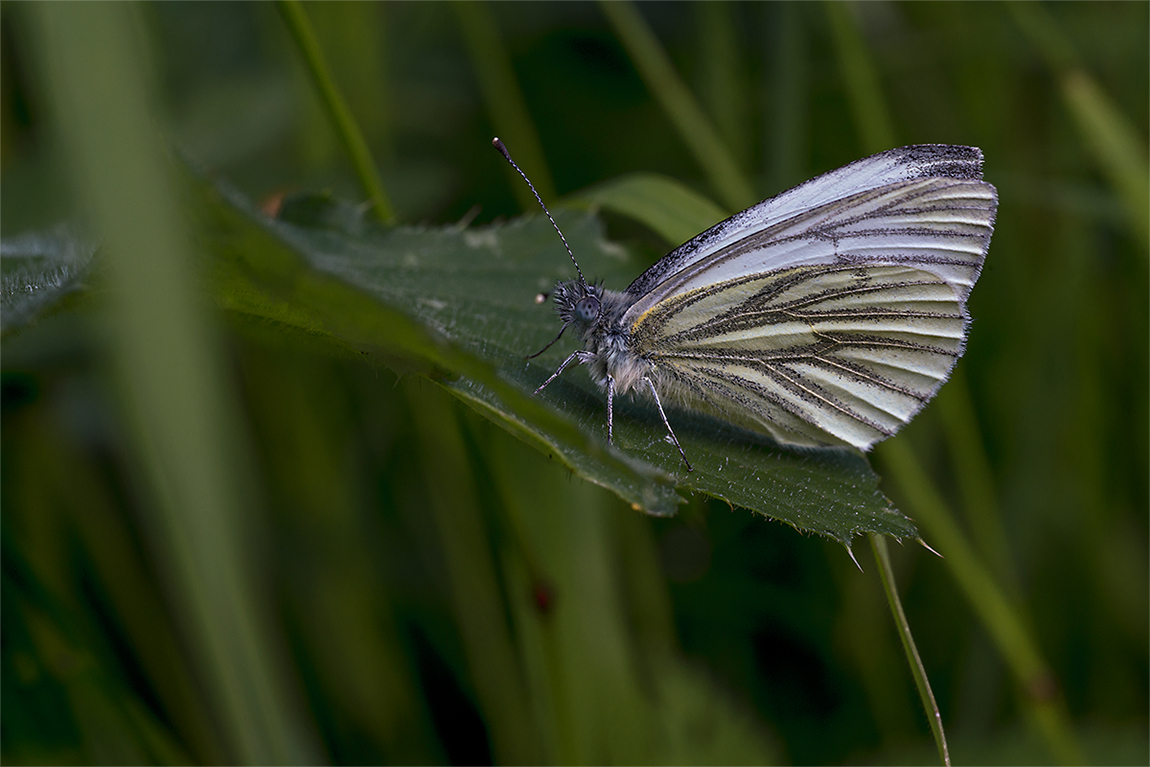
[{"x": 832, "y": 313}]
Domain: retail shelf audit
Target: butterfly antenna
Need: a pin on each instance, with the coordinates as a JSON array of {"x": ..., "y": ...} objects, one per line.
[{"x": 495, "y": 142}]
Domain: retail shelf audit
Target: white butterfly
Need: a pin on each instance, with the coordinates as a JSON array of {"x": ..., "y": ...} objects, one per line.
[{"x": 828, "y": 315}]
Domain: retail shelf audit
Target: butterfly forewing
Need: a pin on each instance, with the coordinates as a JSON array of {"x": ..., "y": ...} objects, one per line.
[
  {"x": 938, "y": 224},
  {"x": 870, "y": 173}
]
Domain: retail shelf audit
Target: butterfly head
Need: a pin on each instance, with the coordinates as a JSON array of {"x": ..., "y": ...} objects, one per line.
[{"x": 578, "y": 303}]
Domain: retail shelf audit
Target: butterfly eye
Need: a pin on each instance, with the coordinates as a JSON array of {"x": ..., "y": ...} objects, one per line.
[{"x": 587, "y": 308}]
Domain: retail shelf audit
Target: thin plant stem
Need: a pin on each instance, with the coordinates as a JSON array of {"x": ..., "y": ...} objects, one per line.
[
  {"x": 990, "y": 603},
  {"x": 933, "y": 715},
  {"x": 342, "y": 120}
]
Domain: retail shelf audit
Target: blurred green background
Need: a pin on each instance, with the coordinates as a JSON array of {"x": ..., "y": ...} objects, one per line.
[{"x": 379, "y": 574}]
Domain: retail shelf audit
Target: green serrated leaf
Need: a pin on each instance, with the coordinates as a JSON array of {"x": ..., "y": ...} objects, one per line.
[
  {"x": 38, "y": 270},
  {"x": 458, "y": 305},
  {"x": 445, "y": 302},
  {"x": 672, "y": 210},
  {"x": 460, "y": 302}
]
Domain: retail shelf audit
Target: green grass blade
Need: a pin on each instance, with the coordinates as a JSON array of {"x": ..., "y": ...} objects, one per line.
[
  {"x": 506, "y": 107},
  {"x": 694, "y": 127},
  {"x": 172, "y": 376},
  {"x": 872, "y": 117},
  {"x": 1116, "y": 146},
  {"x": 974, "y": 477},
  {"x": 1110, "y": 136},
  {"x": 722, "y": 79},
  {"x": 787, "y": 98},
  {"x": 341, "y": 117},
  {"x": 454, "y": 501},
  {"x": 672, "y": 210}
]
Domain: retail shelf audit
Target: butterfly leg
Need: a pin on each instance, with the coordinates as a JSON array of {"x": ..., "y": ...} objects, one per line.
[
  {"x": 658, "y": 404},
  {"x": 579, "y": 356},
  {"x": 610, "y": 410}
]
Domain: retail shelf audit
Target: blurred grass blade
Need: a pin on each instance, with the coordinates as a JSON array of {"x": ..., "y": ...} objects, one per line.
[
  {"x": 1037, "y": 25},
  {"x": 673, "y": 210},
  {"x": 342, "y": 120},
  {"x": 694, "y": 128},
  {"x": 722, "y": 80},
  {"x": 1001, "y": 618},
  {"x": 602, "y": 650},
  {"x": 506, "y": 107},
  {"x": 933, "y": 715},
  {"x": 1110, "y": 136},
  {"x": 1116, "y": 147},
  {"x": 480, "y": 612},
  {"x": 170, "y": 370},
  {"x": 787, "y": 97},
  {"x": 72, "y": 489},
  {"x": 67, "y": 683},
  {"x": 860, "y": 77},
  {"x": 974, "y": 477},
  {"x": 338, "y": 601},
  {"x": 583, "y": 646}
]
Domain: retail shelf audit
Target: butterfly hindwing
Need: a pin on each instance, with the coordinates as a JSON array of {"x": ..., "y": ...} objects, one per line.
[{"x": 812, "y": 355}]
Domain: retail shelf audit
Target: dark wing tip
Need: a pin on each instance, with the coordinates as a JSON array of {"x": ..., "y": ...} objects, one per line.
[{"x": 945, "y": 160}]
